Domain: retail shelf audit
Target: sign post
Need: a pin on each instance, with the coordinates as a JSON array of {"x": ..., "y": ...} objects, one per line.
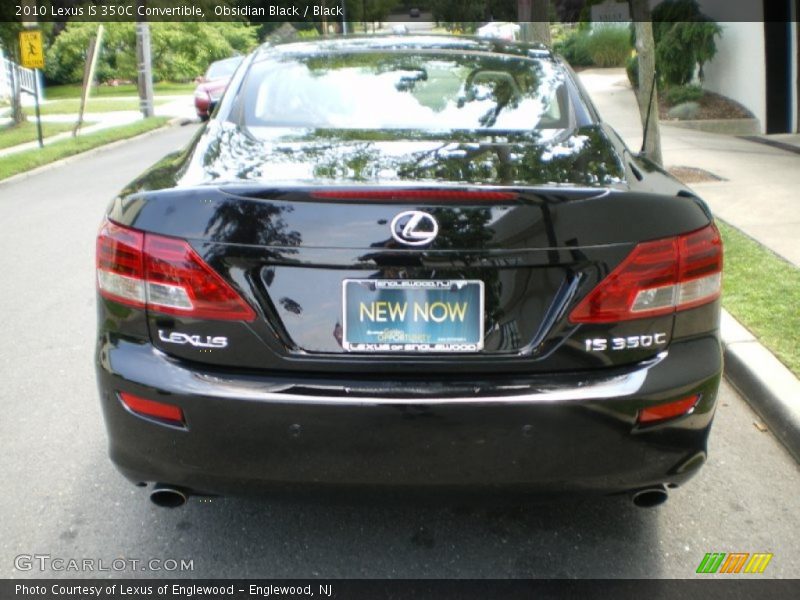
[
  {"x": 36, "y": 102},
  {"x": 31, "y": 54}
]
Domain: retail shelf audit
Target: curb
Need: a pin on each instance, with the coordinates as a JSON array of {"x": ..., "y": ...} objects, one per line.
[
  {"x": 766, "y": 384},
  {"x": 175, "y": 121},
  {"x": 738, "y": 127},
  {"x": 765, "y": 139}
]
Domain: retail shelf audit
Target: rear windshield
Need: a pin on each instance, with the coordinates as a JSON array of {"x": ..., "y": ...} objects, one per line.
[{"x": 406, "y": 90}]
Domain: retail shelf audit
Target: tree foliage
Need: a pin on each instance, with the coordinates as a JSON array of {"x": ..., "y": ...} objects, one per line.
[
  {"x": 180, "y": 52},
  {"x": 472, "y": 12},
  {"x": 369, "y": 11},
  {"x": 685, "y": 40},
  {"x": 8, "y": 38},
  {"x": 459, "y": 13}
]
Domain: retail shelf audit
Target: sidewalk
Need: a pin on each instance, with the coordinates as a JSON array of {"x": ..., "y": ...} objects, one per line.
[
  {"x": 760, "y": 195},
  {"x": 177, "y": 107}
]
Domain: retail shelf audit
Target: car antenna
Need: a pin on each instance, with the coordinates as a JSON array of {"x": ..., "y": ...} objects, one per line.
[{"x": 649, "y": 110}]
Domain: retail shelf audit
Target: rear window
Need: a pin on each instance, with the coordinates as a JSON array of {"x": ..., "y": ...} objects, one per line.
[{"x": 406, "y": 90}]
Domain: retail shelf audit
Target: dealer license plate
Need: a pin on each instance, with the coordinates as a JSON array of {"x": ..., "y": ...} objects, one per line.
[{"x": 398, "y": 315}]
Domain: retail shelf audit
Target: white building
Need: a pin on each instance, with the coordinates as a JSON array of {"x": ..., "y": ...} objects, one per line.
[{"x": 757, "y": 61}]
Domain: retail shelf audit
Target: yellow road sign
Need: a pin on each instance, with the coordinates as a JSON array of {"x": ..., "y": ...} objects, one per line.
[{"x": 31, "y": 51}]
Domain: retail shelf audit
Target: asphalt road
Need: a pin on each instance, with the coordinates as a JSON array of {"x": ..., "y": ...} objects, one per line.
[{"x": 61, "y": 497}]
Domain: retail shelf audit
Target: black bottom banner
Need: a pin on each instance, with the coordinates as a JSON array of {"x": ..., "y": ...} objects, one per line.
[{"x": 345, "y": 589}]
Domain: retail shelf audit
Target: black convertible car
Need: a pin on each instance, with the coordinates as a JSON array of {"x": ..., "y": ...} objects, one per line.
[{"x": 408, "y": 262}]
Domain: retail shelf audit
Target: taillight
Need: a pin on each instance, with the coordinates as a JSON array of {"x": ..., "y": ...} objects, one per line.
[
  {"x": 120, "y": 264},
  {"x": 658, "y": 278},
  {"x": 151, "y": 408},
  {"x": 164, "y": 275},
  {"x": 670, "y": 410},
  {"x": 180, "y": 283}
]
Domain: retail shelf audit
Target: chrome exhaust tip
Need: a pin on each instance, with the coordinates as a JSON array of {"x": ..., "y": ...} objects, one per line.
[
  {"x": 167, "y": 496},
  {"x": 650, "y": 497}
]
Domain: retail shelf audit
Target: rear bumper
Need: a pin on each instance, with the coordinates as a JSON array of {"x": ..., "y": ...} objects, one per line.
[{"x": 571, "y": 432}]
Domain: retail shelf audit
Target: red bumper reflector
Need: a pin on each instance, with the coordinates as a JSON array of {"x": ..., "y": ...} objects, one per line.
[
  {"x": 151, "y": 408},
  {"x": 662, "y": 412}
]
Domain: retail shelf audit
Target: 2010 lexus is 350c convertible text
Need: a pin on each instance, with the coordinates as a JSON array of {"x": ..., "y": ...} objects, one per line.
[{"x": 408, "y": 263}]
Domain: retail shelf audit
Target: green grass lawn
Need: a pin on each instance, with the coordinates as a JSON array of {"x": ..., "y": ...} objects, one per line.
[
  {"x": 72, "y": 105},
  {"x": 60, "y": 92},
  {"x": 30, "y": 159},
  {"x": 12, "y": 135},
  {"x": 762, "y": 290}
]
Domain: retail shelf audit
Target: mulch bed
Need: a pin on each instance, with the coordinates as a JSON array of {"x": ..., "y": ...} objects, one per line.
[
  {"x": 712, "y": 106},
  {"x": 692, "y": 175}
]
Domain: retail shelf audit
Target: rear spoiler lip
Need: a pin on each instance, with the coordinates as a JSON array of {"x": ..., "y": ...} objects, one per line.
[
  {"x": 602, "y": 216},
  {"x": 410, "y": 193}
]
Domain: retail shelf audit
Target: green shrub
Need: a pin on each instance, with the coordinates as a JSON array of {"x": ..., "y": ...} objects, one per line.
[
  {"x": 683, "y": 93},
  {"x": 632, "y": 69},
  {"x": 685, "y": 40},
  {"x": 602, "y": 47},
  {"x": 609, "y": 46},
  {"x": 574, "y": 48},
  {"x": 558, "y": 33}
]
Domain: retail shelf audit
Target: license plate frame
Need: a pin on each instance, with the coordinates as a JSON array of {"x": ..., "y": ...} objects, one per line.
[{"x": 448, "y": 328}]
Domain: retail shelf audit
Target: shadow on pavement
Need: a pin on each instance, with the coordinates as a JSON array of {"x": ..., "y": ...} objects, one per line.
[{"x": 600, "y": 537}]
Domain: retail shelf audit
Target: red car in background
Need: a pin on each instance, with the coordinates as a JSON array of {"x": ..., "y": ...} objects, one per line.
[{"x": 212, "y": 85}]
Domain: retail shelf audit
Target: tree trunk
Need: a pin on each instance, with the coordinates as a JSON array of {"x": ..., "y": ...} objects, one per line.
[
  {"x": 533, "y": 16},
  {"x": 17, "y": 114},
  {"x": 541, "y": 21},
  {"x": 648, "y": 92}
]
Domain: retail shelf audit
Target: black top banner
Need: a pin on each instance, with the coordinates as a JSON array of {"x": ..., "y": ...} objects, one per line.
[{"x": 299, "y": 11}]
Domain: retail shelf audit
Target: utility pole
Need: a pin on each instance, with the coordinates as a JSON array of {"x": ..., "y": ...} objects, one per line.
[{"x": 144, "y": 66}]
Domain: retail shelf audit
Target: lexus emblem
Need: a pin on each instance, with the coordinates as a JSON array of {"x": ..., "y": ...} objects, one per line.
[{"x": 414, "y": 228}]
